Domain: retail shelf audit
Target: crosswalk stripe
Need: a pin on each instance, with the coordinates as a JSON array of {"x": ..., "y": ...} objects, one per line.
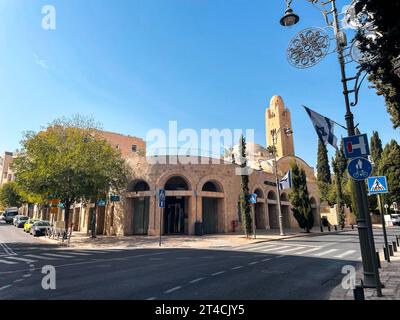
[
  {"x": 38, "y": 257},
  {"x": 274, "y": 249},
  {"x": 57, "y": 255},
  {"x": 325, "y": 253},
  {"x": 288, "y": 250},
  {"x": 307, "y": 251},
  {"x": 8, "y": 262},
  {"x": 345, "y": 254},
  {"x": 93, "y": 251},
  {"x": 22, "y": 259}
]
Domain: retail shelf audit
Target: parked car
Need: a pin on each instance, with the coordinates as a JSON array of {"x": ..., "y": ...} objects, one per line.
[
  {"x": 19, "y": 223},
  {"x": 395, "y": 219},
  {"x": 16, "y": 218},
  {"x": 39, "y": 228},
  {"x": 10, "y": 214},
  {"x": 28, "y": 224},
  {"x": 2, "y": 215}
]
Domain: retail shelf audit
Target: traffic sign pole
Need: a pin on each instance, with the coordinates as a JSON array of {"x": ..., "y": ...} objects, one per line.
[
  {"x": 161, "y": 214},
  {"x": 383, "y": 225},
  {"x": 254, "y": 220}
]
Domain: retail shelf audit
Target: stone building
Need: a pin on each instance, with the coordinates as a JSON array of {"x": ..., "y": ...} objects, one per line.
[
  {"x": 198, "y": 189},
  {"x": 6, "y": 172}
]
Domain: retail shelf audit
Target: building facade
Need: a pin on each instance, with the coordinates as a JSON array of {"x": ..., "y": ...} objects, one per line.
[{"x": 7, "y": 174}]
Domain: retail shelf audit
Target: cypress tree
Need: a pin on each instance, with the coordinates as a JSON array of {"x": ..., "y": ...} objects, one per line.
[
  {"x": 245, "y": 206},
  {"x": 389, "y": 166},
  {"x": 376, "y": 154},
  {"x": 300, "y": 199},
  {"x": 323, "y": 169}
]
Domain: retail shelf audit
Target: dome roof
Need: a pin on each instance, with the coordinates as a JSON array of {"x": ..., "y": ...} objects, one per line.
[{"x": 276, "y": 100}]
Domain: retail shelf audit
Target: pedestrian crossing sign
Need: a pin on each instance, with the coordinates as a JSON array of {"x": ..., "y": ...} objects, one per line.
[{"x": 377, "y": 185}]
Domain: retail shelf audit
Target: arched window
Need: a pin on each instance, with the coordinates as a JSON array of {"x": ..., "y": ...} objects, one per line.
[
  {"x": 211, "y": 186},
  {"x": 284, "y": 197},
  {"x": 176, "y": 183},
  {"x": 138, "y": 186},
  {"x": 259, "y": 193},
  {"x": 271, "y": 195}
]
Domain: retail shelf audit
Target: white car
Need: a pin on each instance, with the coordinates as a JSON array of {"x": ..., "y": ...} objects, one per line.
[{"x": 395, "y": 219}]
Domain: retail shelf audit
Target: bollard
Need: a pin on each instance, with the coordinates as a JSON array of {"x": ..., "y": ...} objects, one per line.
[
  {"x": 358, "y": 293},
  {"x": 391, "y": 250},
  {"x": 329, "y": 228},
  {"x": 397, "y": 240},
  {"x": 352, "y": 227},
  {"x": 322, "y": 229},
  {"x": 378, "y": 259},
  {"x": 394, "y": 246},
  {"x": 385, "y": 253},
  {"x": 335, "y": 227}
]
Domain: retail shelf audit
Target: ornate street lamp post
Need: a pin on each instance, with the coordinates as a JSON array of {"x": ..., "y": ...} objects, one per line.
[
  {"x": 306, "y": 50},
  {"x": 288, "y": 131}
]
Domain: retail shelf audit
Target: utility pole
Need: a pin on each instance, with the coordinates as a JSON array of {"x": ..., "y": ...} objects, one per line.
[
  {"x": 383, "y": 225},
  {"x": 278, "y": 191}
]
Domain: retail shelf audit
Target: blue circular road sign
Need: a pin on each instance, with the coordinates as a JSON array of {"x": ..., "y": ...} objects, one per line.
[{"x": 359, "y": 169}]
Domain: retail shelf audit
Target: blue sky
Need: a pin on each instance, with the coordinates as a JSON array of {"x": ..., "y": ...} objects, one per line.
[{"x": 136, "y": 64}]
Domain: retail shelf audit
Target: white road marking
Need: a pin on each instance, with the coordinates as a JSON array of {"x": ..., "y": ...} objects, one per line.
[
  {"x": 307, "y": 251},
  {"x": 274, "y": 249},
  {"x": 253, "y": 263},
  {"x": 38, "y": 257},
  {"x": 238, "y": 267},
  {"x": 325, "y": 253},
  {"x": 266, "y": 259},
  {"x": 58, "y": 255},
  {"x": 22, "y": 259},
  {"x": 197, "y": 280},
  {"x": 77, "y": 253},
  {"x": 8, "y": 262},
  {"x": 26, "y": 275},
  {"x": 6, "y": 287},
  {"x": 151, "y": 299},
  {"x": 217, "y": 273},
  {"x": 173, "y": 289},
  {"x": 261, "y": 247},
  {"x": 288, "y": 250},
  {"x": 18, "y": 280},
  {"x": 345, "y": 254}
]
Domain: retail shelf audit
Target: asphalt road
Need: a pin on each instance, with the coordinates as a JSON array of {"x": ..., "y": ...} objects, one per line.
[{"x": 299, "y": 268}]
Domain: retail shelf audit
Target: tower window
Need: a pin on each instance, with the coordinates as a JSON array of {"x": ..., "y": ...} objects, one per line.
[{"x": 134, "y": 148}]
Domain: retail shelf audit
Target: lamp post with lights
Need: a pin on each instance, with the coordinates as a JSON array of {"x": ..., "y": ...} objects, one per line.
[{"x": 311, "y": 46}]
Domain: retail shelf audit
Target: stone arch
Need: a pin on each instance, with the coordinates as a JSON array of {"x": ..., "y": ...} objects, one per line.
[
  {"x": 259, "y": 192},
  {"x": 284, "y": 197},
  {"x": 173, "y": 173},
  {"x": 315, "y": 211},
  {"x": 138, "y": 185},
  {"x": 272, "y": 195},
  {"x": 176, "y": 183},
  {"x": 210, "y": 178},
  {"x": 260, "y": 209}
]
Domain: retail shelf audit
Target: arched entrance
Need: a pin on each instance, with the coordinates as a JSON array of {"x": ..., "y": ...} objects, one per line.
[
  {"x": 176, "y": 206},
  {"x": 273, "y": 210},
  {"x": 285, "y": 211},
  {"x": 260, "y": 210},
  {"x": 211, "y": 207},
  {"x": 141, "y": 208},
  {"x": 314, "y": 211}
]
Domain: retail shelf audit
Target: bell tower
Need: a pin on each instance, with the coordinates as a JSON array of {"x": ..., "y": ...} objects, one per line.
[{"x": 277, "y": 118}]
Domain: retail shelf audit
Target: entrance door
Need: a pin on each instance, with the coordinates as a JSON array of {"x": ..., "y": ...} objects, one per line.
[
  {"x": 141, "y": 208},
  {"x": 210, "y": 215},
  {"x": 273, "y": 216},
  {"x": 260, "y": 217},
  {"x": 174, "y": 218}
]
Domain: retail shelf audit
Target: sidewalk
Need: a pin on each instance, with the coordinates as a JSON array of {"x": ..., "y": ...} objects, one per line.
[
  {"x": 390, "y": 277},
  {"x": 227, "y": 240}
]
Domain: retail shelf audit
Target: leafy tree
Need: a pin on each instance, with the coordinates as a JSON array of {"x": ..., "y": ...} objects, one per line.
[
  {"x": 323, "y": 171},
  {"x": 70, "y": 161},
  {"x": 245, "y": 206},
  {"x": 376, "y": 154},
  {"x": 10, "y": 195},
  {"x": 389, "y": 166},
  {"x": 300, "y": 199},
  {"x": 384, "y": 47}
]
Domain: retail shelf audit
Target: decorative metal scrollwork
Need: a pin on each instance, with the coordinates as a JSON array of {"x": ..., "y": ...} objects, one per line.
[{"x": 308, "y": 48}]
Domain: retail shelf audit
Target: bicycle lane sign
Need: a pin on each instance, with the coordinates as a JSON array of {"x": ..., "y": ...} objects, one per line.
[{"x": 359, "y": 169}]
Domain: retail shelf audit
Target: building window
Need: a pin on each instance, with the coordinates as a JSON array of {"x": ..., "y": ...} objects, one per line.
[
  {"x": 117, "y": 146},
  {"x": 134, "y": 148}
]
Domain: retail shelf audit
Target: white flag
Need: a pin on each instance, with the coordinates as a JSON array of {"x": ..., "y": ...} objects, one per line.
[
  {"x": 324, "y": 127},
  {"x": 286, "y": 181}
]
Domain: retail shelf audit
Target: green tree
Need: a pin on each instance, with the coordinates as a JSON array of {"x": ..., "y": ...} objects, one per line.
[
  {"x": 69, "y": 161},
  {"x": 245, "y": 206},
  {"x": 389, "y": 166},
  {"x": 300, "y": 199},
  {"x": 10, "y": 195},
  {"x": 323, "y": 171},
  {"x": 376, "y": 154},
  {"x": 385, "y": 50}
]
